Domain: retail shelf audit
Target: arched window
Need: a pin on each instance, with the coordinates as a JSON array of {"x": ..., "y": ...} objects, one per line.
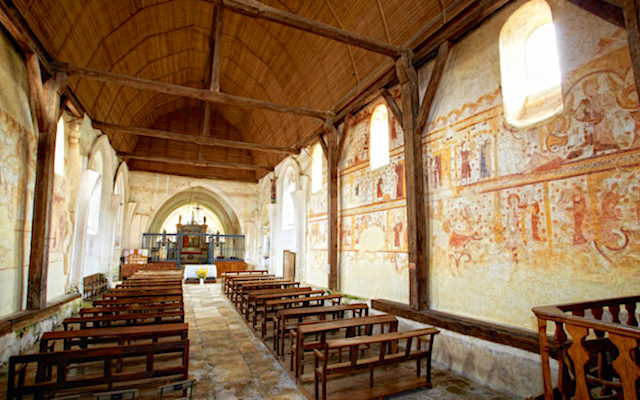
[
  {"x": 288, "y": 204},
  {"x": 316, "y": 169},
  {"x": 58, "y": 163},
  {"x": 529, "y": 66},
  {"x": 379, "y": 137}
]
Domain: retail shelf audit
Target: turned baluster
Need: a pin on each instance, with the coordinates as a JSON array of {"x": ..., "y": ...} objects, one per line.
[
  {"x": 543, "y": 342},
  {"x": 631, "y": 314},
  {"x": 625, "y": 365},
  {"x": 564, "y": 380},
  {"x": 579, "y": 313},
  {"x": 615, "y": 313},
  {"x": 597, "y": 314},
  {"x": 580, "y": 356}
]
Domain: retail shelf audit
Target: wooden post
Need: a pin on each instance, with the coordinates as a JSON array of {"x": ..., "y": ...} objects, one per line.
[
  {"x": 332, "y": 202},
  {"x": 45, "y": 103},
  {"x": 632, "y": 22},
  {"x": 416, "y": 222}
]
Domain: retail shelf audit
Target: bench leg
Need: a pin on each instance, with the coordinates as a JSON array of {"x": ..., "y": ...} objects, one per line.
[{"x": 371, "y": 377}]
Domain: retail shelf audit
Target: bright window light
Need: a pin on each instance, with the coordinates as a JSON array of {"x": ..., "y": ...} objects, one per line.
[
  {"x": 379, "y": 137},
  {"x": 543, "y": 71},
  {"x": 316, "y": 169},
  {"x": 58, "y": 163}
]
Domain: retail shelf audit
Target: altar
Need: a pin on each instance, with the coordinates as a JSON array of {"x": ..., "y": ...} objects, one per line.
[{"x": 190, "y": 271}]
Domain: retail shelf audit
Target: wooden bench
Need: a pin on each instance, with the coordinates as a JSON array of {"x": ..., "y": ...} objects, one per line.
[
  {"x": 235, "y": 283},
  {"x": 43, "y": 383},
  {"x": 149, "y": 300},
  {"x": 271, "y": 306},
  {"x": 142, "y": 309},
  {"x": 249, "y": 295},
  {"x": 258, "y": 301},
  {"x": 240, "y": 287},
  {"x": 280, "y": 326},
  {"x": 122, "y": 294},
  {"x": 122, "y": 334},
  {"x": 322, "y": 328},
  {"x": 228, "y": 283},
  {"x": 148, "y": 318},
  {"x": 389, "y": 354},
  {"x": 93, "y": 285}
]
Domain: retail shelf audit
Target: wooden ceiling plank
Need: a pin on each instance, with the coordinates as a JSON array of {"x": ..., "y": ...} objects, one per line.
[
  {"x": 255, "y": 9},
  {"x": 193, "y": 163},
  {"x": 185, "y": 91},
  {"x": 185, "y": 137}
]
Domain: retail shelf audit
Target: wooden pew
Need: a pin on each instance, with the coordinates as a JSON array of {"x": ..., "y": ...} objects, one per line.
[
  {"x": 258, "y": 301},
  {"x": 277, "y": 284},
  {"x": 249, "y": 295},
  {"x": 151, "y": 285},
  {"x": 93, "y": 285},
  {"x": 21, "y": 383},
  {"x": 147, "y": 318},
  {"x": 123, "y": 294},
  {"x": 237, "y": 287},
  {"x": 140, "y": 300},
  {"x": 386, "y": 341},
  {"x": 271, "y": 306},
  {"x": 115, "y": 310},
  {"x": 280, "y": 327},
  {"x": 121, "y": 335},
  {"x": 321, "y": 329},
  {"x": 229, "y": 281}
]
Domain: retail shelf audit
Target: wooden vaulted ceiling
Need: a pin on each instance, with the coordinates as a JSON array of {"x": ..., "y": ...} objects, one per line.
[{"x": 172, "y": 40}]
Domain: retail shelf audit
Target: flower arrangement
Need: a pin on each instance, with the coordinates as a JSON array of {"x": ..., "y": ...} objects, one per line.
[{"x": 202, "y": 273}]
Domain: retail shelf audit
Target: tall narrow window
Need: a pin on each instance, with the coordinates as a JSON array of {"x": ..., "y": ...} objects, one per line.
[
  {"x": 379, "y": 137},
  {"x": 58, "y": 163},
  {"x": 530, "y": 66},
  {"x": 316, "y": 169}
]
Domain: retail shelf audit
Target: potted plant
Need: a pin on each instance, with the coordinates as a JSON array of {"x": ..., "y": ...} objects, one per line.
[{"x": 202, "y": 274}]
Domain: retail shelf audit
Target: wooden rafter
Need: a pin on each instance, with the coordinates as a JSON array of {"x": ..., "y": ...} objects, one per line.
[
  {"x": 196, "y": 174},
  {"x": 393, "y": 106},
  {"x": 632, "y": 23},
  {"x": 602, "y": 9},
  {"x": 213, "y": 77},
  {"x": 193, "y": 163},
  {"x": 255, "y": 9},
  {"x": 185, "y": 137},
  {"x": 332, "y": 202},
  {"x": 415, "y": 194},
  {"x": 17, "y": 27},
  {"x": 432, "y": 87},
  {"x": 186, "y": 91},
  {"x": 45, "y": 105}
]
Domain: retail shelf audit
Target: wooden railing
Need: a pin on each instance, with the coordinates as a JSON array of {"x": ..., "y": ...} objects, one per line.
[{"x": 598, "y": 344}]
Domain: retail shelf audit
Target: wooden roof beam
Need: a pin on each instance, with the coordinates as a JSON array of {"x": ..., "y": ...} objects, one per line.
[
  {"x": 193, "y": 163},
  {"x": 213, "y": 77},
  {"x": 198, "y": 175},
  {"x": 189, "y": 138},
  {"x": 186, "y": 91},
  {"x": 602, "y": 9},
  {"x": 255, "y": 9}
]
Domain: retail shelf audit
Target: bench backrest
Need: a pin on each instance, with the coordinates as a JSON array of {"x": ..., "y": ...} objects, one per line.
[
  {"x": 279, "y": 302},
  {"x": 21, "y": 382}
]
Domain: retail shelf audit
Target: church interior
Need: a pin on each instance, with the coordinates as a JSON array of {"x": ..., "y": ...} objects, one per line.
[{"x": 286, "y": 199}]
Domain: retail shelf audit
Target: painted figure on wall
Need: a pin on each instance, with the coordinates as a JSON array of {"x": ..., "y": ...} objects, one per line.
[
  {"x": 379, "y": 194},
  {"x": 436, "y": 171},
  {"x": 399, "y": 169},
  {"x": 273, "y": 190},
  {"x": 465, "y": 166},
  {"x": 484, "y": 144},
  {"x": 578, "y": 208},
  {"x": 609, "y": 218}
]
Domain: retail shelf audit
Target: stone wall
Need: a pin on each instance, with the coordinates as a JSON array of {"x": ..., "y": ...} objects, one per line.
[{"x": 149, "y": 191}]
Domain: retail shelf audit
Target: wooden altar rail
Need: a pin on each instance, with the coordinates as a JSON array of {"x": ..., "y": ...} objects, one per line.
[{"x": 599, "y": 346}]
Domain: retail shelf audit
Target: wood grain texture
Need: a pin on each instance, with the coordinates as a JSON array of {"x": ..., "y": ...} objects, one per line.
[
  {"x": 632, "y": 23},
  {"x": 332, "y": 203}
]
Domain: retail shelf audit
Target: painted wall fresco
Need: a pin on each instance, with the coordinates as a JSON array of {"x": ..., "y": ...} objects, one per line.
[
  {"x": 542, "y": 215},
  {"x": 373, "y": 221},
  {"x": 317, "y": 269},
  {"x": 17, "y": 177}
]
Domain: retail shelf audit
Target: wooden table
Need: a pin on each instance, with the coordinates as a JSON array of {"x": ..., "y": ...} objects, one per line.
[
  {"x": 281, "y": 317},
  {"x": 121, "y": 334},
  {"x": 322, "y": 328}
]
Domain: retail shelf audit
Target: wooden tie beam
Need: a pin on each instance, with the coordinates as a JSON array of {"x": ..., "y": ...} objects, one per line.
[{"x": 195, "y": 163}]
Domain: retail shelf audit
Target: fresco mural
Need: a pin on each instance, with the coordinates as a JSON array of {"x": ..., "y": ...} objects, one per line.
[{"x": 513, "y": 209}]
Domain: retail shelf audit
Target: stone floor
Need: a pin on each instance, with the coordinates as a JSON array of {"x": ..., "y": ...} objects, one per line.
[{"x": 228, "y": 361}]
